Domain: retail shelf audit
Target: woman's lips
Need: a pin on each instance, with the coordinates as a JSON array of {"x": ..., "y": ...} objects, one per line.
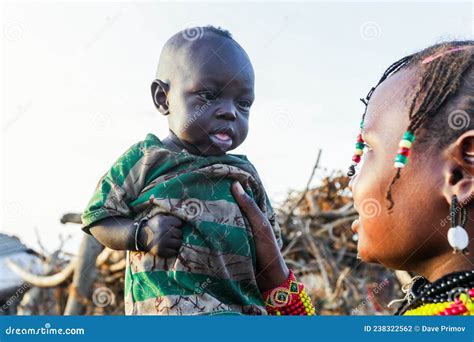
[{"x": 221, "y": 140}]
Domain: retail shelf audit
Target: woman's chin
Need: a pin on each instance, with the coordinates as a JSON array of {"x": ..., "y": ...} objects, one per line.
[{"x": 363, "y": 251}]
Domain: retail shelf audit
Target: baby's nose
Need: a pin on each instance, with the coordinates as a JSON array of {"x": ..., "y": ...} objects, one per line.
[{"x": 226, "y": 111}]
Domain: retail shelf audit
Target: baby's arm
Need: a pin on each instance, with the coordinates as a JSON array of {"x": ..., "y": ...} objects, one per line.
[
  {"x": 115, "y": 232},
  {"x": 160, "y": 235},
  {"x": 108, "y": 216}
]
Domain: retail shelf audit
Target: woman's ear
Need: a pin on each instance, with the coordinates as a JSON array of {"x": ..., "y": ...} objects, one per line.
[
  {"x": 159, "y": 93},
  {"x": 459, "y": 169}
]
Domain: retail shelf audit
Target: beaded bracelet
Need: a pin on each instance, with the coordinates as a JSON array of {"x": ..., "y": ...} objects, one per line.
[{"x": 289, "y": 298}]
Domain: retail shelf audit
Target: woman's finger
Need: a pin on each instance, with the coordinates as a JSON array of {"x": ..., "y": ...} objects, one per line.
[
  {"x": 271, "y": 267},
  {"x": 260, "y": 225}
]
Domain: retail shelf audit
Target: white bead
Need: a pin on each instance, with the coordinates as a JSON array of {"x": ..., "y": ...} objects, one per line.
[
  {"x": 458, "y": 238},
  {"x": 399, "y": 165}
]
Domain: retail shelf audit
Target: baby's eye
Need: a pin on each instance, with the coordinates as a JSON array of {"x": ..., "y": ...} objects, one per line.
[
  {"x": 245, "y": 105},
  {"x": 207, "y": 95}
]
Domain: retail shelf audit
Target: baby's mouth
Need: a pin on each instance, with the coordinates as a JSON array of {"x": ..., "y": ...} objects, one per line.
[{"x": 221, "y": 140}]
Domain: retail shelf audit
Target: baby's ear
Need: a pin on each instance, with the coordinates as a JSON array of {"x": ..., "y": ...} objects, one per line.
[
  {"x": 159, "y": 93},
  {"x": 459, "y": 170}
]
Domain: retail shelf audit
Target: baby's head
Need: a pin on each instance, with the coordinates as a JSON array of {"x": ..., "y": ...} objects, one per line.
[
  {"x": 205, "y": 87},
  {"x": 404, "y": 201}
]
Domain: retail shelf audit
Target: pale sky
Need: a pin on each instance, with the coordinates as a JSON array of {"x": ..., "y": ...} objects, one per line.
[{"x": 76, "y": 92}]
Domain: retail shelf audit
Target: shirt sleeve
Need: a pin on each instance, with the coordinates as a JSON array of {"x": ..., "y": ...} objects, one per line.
[{"x": 119, "y": 186}]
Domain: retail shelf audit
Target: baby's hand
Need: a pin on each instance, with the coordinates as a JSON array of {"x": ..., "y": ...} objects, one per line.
[{"x": 161, "y": 235}]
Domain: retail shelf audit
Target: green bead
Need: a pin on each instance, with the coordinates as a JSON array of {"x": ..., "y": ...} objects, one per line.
[
  {"x": 409, "y": 136},
  {"x": 360, "y": 145},
  {"x": 401, "y": 159}
]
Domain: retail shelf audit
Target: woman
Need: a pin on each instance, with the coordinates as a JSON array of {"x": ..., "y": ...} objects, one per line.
[{"x": 427, "y": 204}]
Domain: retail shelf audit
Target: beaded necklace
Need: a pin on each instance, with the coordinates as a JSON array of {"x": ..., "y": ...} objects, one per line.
[{"x": 450, "y": 295}]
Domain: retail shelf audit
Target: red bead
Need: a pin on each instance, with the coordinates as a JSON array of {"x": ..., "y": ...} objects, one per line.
[
  {"x": 404, "y": 151},
  {"x": 462, "y": 309},
  {"x": 356, "y": 158},
  {"x": 359, "y": 138},
  {"x": 454, "y": 311},
  {"x": 471, "y": 292}
]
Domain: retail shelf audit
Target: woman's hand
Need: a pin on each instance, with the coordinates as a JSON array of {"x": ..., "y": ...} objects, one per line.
[{"x": 271, "y": 268}]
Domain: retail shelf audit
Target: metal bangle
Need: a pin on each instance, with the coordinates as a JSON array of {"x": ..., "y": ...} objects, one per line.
[{"x": 138, "y": 225}]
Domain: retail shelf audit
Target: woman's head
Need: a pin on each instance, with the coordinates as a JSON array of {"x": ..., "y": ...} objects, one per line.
[{"x": 403, "y": 212}]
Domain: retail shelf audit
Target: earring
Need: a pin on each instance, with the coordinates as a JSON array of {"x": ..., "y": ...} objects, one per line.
[{"x": 457, "y": 235}]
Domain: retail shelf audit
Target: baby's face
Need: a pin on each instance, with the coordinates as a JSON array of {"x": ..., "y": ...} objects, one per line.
[{"x": 210, "y": 102}]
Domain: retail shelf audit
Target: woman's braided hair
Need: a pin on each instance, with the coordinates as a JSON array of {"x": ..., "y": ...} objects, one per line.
[{"x": 446, "y": 76}]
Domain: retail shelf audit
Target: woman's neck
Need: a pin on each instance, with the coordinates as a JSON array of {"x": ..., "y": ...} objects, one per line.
[{"x": 446, "y": 263}]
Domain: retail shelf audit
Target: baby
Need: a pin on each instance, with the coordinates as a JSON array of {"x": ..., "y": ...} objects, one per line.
[{"x": 169, "y": 203}]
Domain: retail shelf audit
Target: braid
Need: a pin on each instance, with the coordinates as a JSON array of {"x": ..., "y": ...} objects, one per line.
[{"x": 442, "y": 74}]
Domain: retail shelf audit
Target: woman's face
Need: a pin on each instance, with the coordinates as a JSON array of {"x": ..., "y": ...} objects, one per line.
[{"x": 414, "y": 231}]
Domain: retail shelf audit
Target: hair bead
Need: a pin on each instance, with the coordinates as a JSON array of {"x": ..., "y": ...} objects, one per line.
[{"x": 404, "y": 150}]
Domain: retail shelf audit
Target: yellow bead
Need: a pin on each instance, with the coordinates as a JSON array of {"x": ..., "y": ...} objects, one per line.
[
  {"x": 358, "y": 152},
  {"x": 405, "y": 143},
  {"x": 278, "y": 313},
  {"x": 463, "y": 297}
]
